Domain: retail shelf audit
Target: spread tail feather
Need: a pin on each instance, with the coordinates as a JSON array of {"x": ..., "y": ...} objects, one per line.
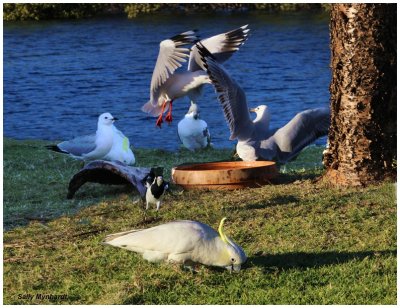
[{"x": 153, "y": 109}]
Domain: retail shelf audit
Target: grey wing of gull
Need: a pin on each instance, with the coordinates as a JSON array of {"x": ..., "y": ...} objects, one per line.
[
  {"x": 231, "y": 97},
  {"x": 79, "y": 145},
  {"x": 170, "y": 56},
  {"x": 221, "y": 46},
  {"x": 302, "y": 130},
  {"x": 179, "y": 136}
]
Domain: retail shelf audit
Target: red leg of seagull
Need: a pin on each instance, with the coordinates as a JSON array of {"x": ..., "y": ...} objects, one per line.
[
  {"x": 168, "y": 117},
  {"x": 159, "y": 119}
]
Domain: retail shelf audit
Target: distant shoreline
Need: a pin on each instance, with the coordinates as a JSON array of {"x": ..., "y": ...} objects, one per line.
[{"x": 51, "y": 11}]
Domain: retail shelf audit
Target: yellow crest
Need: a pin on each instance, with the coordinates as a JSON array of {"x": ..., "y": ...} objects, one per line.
[{"x": 221, "y": 232}]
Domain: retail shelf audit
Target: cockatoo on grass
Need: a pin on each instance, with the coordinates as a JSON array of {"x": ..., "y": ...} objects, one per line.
[{"x": 182, "y": 241}]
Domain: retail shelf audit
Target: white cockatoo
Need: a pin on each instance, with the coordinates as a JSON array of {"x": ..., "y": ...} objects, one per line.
[{"x": 182, "y": 241}]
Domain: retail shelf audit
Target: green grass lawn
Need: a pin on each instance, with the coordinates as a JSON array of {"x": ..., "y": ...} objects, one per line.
[{"x": 306, "y": 243}]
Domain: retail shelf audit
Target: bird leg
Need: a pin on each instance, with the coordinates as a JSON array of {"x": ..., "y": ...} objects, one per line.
[
  {"x": 158, "y": 205},
  {"x": 168, "y": 117},
  {"x": 159, "y": 119},
  {"x": 147, "y": 205},
  {"x": 190, "y": 266}
]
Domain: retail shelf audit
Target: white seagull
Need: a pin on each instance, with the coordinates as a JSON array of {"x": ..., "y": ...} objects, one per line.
[
  {"x": 167, "y": 85},
  {"x": 193, "y": 131},
  {"x": 102, "y": 145},
  {"x": 255, "y": 139}
]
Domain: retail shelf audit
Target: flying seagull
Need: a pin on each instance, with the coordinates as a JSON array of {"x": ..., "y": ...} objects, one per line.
[
  {"x": 255, "y": 139},
  {"x": 193, "y": 131},
  {"x": 167, "y": 85},
  {"x": 108, "y": 143}
]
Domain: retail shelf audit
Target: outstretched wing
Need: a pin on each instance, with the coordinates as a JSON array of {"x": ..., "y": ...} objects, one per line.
[
  {"x": 221, "y": 46},
  {"x": 230, "y": 95},
  {"x": 302, "y": 130},
  {"x": 170, "y": 57}
]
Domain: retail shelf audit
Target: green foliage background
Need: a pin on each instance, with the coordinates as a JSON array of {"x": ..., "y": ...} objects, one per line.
[{"x": 41, "y": 11}]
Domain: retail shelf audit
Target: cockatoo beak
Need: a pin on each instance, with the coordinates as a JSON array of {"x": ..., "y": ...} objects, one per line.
[{"x": 233, "y": 267}]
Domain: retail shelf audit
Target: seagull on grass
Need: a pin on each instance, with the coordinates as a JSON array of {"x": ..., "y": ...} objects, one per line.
[
  {"x": 108, "y": 143},
  {"x": 193, "y": 131},
  {"x": 255, "y": 139}
]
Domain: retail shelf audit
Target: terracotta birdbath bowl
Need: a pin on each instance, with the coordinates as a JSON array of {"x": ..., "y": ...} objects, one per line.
[{"x": 224, "y": 175}]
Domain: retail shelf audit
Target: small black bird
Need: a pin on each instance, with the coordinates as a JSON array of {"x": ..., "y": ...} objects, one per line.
[{"x": 155, "y": 191}]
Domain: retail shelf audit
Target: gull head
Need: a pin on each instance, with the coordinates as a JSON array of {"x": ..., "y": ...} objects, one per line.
[
  {"x": 194, "y": 111},
  {"x": 259, "y": 109},
  {"x": 262, "y": 113},
  {"x": 106, "y": 119}
]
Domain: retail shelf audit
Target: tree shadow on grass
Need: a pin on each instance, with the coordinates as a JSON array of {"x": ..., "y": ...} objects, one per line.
[
  {"x": 44, "y": 211},
  {"x": 276, "y": 201},
  {"x": 288, "y": 178},
  {"x": 136, "y": 299},
  {"x": 303, "y": 260}
]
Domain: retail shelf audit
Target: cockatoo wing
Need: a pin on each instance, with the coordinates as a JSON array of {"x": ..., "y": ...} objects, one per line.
[{"x": 175, "y": 237}]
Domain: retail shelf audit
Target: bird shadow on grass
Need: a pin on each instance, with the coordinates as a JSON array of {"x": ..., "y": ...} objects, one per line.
[{"x": 303, "y": 260}]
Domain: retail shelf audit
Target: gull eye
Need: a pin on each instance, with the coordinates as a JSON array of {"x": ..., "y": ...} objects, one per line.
[
  {"x": 106, "y": 118},
  {"x": 233, "y": 260}
]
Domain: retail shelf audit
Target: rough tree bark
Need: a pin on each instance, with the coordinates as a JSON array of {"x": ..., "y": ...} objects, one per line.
[{"x": 362, "y": 136}]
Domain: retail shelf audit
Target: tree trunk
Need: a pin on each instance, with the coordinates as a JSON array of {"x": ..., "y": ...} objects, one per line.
[{"x": 362, "y": 136}]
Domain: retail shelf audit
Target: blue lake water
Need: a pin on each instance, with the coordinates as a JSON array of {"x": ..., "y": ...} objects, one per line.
[{"x": 60, "y": 75}]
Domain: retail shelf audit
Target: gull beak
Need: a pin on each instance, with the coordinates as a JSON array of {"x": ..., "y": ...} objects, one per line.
[
  {"x": 252, "y": 110},
  {"x": 115, "y": 119}
]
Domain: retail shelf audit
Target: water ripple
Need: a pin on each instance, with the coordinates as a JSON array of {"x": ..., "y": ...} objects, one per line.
[{"x": 58, "y": 73}]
